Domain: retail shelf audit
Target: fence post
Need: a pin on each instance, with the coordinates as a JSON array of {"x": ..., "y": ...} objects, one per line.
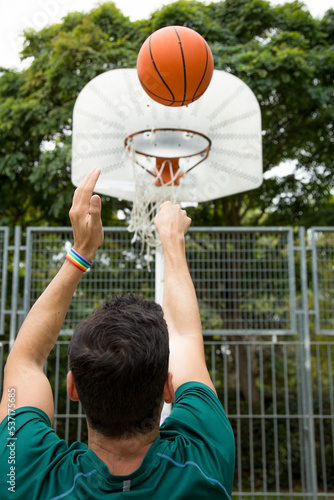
[
  {"x": 3, "y": 274},
  {"x": 159, "y": 292},
  {"x": 306, "y": 377},
  {"x": 15, "y": 286}
]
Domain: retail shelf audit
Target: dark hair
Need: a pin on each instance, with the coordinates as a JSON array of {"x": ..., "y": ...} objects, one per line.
[{"x": 119, "y": 360}]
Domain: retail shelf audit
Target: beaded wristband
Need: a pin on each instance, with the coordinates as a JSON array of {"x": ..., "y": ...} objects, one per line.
[{"x": 78, "y": 261}]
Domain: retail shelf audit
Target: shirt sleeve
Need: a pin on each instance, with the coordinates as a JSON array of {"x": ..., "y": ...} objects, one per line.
[
  {"x": 198, "y": 410},
  {"x": 27, "y": 444},
  {"x": 199, "y": 417}
]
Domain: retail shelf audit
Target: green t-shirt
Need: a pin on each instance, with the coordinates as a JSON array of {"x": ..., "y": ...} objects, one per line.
[{"x": 193, "y": 458}]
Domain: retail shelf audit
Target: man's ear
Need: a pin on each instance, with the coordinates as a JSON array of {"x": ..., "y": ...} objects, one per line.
[
  {"x": 71, "y": 389},
  {"x": 169, "y": 393}
]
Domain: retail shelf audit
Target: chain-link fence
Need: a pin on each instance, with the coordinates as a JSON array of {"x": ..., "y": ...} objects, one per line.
[
  {"x": 265, "y": 297},
  {"x": 322, "y": 240}
]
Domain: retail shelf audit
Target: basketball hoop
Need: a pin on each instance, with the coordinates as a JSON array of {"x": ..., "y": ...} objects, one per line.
[
  {"x": 161, "y": 144},
  {"x": 154, "y": 151}
]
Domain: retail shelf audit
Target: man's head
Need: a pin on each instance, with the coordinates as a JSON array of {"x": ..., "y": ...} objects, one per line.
[{"x": 119, "y": 361}]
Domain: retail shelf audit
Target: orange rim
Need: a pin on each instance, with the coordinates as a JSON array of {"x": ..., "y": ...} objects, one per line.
[{"x": 169, "y": 176}]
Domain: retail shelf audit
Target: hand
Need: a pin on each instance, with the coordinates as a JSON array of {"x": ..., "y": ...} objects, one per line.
[
  {"x": 85, "y": 215},
  {"x": 171, "y": 222}
]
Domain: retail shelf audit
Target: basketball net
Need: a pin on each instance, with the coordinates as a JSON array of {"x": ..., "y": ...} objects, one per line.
[{"x": 146, "y": 203}]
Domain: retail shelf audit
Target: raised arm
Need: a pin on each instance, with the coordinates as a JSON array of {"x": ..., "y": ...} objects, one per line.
[
  {"x": 40, "y": 330},
  {"x": 187, "y": 358}
]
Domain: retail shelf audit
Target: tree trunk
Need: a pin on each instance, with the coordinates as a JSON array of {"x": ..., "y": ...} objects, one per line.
[{"x": 248, "y": 387}]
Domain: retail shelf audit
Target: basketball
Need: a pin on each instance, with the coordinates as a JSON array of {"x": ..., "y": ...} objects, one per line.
[{"x": 175, "y": 66}]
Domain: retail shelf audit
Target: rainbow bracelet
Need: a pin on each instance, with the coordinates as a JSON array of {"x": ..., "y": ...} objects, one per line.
[{"x": 78, "y": 261}]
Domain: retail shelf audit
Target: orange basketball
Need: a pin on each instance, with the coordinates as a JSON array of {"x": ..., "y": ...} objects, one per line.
[{"x": 175, "y": 65}]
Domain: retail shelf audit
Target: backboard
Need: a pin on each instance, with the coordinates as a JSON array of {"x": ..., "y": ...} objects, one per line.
[{"x": 116, "y": 126}]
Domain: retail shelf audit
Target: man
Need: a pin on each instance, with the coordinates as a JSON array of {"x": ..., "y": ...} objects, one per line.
[{"x": 119, "y": 370}]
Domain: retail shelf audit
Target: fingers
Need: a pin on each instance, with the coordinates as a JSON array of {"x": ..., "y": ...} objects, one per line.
[
  {"x": 171, "y": 219},
  {"x": 85, "y": 215},
  {"x": 168, "y": 205},
  {"x": 165, "y": 204},
  {"x": 84, "y": 191}
]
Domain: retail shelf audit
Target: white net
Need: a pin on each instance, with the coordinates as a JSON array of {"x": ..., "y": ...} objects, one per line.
[{"x": 147, "y": 201}]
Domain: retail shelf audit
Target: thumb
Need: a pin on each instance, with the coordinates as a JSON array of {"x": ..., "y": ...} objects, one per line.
[{"x": 95, "y": 205}]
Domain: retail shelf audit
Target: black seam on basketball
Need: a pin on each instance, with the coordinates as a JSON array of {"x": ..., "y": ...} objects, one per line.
[
  {"x": 206, "y": 67},
  {"x": 149, "y": 91},
  {"x": 184, "y": 66},
  {"x": 158, "y": 72}
]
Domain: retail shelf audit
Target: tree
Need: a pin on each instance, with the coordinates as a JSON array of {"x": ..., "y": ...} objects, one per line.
[
  {"x": 36, "y": 111},
  {"x": 281, "y": 52},
  {"x": 286, "y": 57}
]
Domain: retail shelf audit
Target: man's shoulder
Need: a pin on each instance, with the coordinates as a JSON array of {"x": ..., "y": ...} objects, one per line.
[
  {"x": 198, "y": 411},
  {"x": 195, "y": 387},
  {"x": 199, "y": 394},
  {"x": 36, "y": 456},
  {"x": 199, "y": 439},
  {"x": 22, "y": 416}
]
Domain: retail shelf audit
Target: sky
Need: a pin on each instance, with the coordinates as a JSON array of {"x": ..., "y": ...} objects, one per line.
[{"x": 16, "y": 15}]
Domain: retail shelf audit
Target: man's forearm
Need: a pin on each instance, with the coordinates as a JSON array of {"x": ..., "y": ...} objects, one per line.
[
  {"x": 180, "y": 302},
  {"x": 41, "y": 327}
]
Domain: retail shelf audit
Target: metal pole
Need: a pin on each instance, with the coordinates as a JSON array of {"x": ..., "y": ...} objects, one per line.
[
  {"x": 159, "y": 274},
  {"x": 15, "y": 286},
  {"x": 4, "y": 273},
  {"x": 306, "y": 378},
  {"x": 159, "y": 294}
]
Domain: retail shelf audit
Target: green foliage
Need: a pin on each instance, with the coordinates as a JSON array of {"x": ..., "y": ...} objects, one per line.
[
  {"x": 282, "y": 53},
  {"x": 36, "y": 111},
  {"x": 192, "y": 14}
]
